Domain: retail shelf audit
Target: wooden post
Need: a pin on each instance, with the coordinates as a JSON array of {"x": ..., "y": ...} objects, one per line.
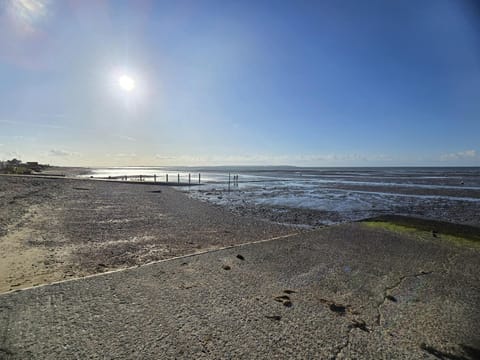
[
  {"x": 188, "y": 179},
  {"x": 199, "y": 178},
  {"x": 166, "y": 176},
  {"x": 228, "y": 182},
  {"x": 178, "y": 176},
  {"x": 140, "y": 177},
  {"x": 154, "y": 178}
]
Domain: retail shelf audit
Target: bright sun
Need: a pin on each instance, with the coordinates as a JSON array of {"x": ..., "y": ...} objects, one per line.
[{"x": 126, "y": 83}]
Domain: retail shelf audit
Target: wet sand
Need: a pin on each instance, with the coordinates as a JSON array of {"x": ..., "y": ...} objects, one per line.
[{"x": 277, "y": 204}]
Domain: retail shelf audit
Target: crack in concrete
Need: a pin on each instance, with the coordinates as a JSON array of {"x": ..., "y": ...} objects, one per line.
[
  {"x": 6, "y": 324},
  {"x": 378, "y": 321},
  {"x": 387, "y": 296},
  {"x": 340, "y": 350},
  {"x": 451, "y": 258}
]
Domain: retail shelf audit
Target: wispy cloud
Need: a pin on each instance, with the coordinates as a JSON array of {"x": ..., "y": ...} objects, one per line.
[
  {"x": 121, "y": 155},
  {"x": 10, "y": 155},
  {"x": 26, "y": 14},
  {"x": 50, "y": 126},
  {"x": 62, "y": 153},
  {"x": 124, "y": 137},
  {"x": 265, "y": 159},
  {"x": 31, "y": 124},
  {"x": 10, "y": 122},
  {"x": 58, "y": 116},
  {"x": 461, "y": 155}
]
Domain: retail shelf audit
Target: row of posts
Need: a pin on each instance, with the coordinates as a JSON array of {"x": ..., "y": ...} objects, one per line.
[
  {"x": 232, "y": 179},
  {"x": 142, "y": 178}
]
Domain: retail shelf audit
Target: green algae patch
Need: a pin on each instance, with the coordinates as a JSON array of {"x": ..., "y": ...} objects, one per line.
[{"x": 424, "y": 229}]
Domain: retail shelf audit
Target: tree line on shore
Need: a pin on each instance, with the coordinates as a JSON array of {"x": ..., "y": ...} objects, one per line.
[{"x": 16, "y": 166}]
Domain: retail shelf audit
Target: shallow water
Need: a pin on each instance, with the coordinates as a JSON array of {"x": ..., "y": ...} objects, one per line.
[{"x": 335, "y": 194}]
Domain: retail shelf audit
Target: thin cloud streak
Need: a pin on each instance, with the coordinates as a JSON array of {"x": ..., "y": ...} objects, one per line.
[
  {"x": 461, "y": 155},
  {"x": 62, "y": 153},
  {"x": 32, "y": 124}
]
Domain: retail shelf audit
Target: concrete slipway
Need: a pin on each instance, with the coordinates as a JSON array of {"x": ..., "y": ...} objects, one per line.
[{"x": 346, "y": 291}]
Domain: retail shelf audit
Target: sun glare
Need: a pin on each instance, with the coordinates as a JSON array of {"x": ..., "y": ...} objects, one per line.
[{"x": 126, "y": 83}]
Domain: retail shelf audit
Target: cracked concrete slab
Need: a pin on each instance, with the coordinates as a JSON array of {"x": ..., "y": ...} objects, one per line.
[{"x": 347, "y": 291}]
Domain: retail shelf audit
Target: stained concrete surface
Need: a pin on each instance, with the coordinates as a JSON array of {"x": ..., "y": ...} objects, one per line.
[{"x": 347, "y": 291}]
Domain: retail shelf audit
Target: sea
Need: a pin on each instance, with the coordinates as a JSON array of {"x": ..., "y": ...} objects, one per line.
[{"x": 331, "y": 195}]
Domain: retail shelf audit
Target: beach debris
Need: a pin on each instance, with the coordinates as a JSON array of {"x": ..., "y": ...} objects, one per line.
[
  {"x": 240, "y": 257},
  {"x": 226, "y": 267},
  {"x": 445, "y": 355},
  {"x": 391, "y": 298},
  {"x": 101, "y": 267},
  {"x": 434, "y": 233},
  {"x": 5, "y": 352},
  {"x": 284, "y": 299},
  {"x": 339, "y": 309},
  {"x": 359, "y": 324},
  {"x": 287, "y": 291},
  {"x": 274, "y": 317},
  {"x": 184, "y": 263}
]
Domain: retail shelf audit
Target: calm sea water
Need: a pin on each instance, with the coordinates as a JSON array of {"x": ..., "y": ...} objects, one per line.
[{"x": 342, "y": 194}]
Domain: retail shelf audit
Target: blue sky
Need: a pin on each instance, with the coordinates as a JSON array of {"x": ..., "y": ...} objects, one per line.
[{"x": 318, "y": 83}]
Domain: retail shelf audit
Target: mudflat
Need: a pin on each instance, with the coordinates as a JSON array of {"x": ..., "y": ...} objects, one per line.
[{"x": 55, "y": 229}]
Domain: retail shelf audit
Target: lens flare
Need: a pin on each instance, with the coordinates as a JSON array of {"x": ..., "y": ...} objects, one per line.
[{"x": 126, "y": 83}]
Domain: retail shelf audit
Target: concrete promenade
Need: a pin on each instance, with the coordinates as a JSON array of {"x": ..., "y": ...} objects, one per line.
[{"x": 347, "y": 291}]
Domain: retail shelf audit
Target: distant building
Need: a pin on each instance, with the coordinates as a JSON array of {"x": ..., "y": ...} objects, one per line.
[{"x": 34, "y": 165}]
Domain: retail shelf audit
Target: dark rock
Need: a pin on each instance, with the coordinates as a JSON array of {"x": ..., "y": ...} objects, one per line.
[
  {"x": 359, "y": 324},
  {"x": 391, "y": 298},
  {"x": 240, "y": 257},
  {"x": 339, "y": 309},
  {"x": 5, "y": 352},
  {"x": 226, "y": 267}
]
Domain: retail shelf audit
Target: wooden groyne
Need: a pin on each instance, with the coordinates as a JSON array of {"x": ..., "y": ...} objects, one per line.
[{"x": 161, "y": 179}]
